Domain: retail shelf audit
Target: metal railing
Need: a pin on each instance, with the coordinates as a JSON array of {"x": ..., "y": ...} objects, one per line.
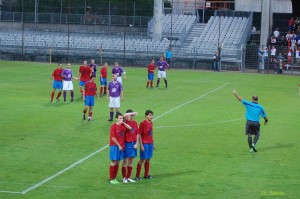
[{"x": 62, "y": 18}]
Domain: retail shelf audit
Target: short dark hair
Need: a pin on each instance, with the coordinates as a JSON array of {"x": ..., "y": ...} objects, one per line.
[
  {"x": 255, "y": 98},
  {"x": 148, "y": 112},
  {"x": 129, "y": 111},
  {"x": 118, "y": 114}
]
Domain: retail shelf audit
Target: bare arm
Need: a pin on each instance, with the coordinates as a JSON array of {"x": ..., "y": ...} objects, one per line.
[
  {"x": 130, "y": 114},
  {"x": 266, "y": 120},
  {"x": 127, "y": 126},
  {"x": 237, "y": 95},
  {"x": 117, "y": 143}
]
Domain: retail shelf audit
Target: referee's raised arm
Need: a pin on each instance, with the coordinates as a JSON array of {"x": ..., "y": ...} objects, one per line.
[{"x": 237, "y": 95}]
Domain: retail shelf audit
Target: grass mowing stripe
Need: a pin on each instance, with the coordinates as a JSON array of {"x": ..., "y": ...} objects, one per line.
[{"x": 94, "y": 153}]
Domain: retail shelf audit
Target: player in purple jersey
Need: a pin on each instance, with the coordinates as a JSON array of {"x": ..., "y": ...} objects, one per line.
[
  {"x": 114, "y": 93},
  {"x": 67, "y": 83},
  {"x": 93, "y": 66},
  {"x": 118, "y": 70},
  {"x": 162, "y": 67}
]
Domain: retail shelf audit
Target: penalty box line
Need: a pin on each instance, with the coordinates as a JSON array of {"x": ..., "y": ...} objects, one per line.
[{"x": 98, "y": 151}]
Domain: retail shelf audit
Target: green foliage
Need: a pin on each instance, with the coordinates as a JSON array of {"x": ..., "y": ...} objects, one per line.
[{"x": 201, "y": 150}]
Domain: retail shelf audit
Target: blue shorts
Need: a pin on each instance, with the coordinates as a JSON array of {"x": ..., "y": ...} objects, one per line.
[
  {"x": 151, "y": 76},
  {"x": 103, "y": 81},
  {"x": 148, "y": 151},
  {"x": 81, "y": 83},
  {"x": 130, "y": 151},
  {"x": 115, "y": 153},
  {"x": 89, "y": 101},
  {"x": 57, "y": 85}
]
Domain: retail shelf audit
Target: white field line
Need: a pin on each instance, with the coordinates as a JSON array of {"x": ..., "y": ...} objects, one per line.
[
  {"x": 62, "y": 171},
  {"x": 191, "y": 125},
  {"x": 13, "y": 192},
  {"x": 181, "y": 105},
  {"x": 98, "y": 151}
]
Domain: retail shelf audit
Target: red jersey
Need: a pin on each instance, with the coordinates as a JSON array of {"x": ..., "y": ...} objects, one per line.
[
  {"x": 118, "y": 132},
  {"x": 103, "y": 72},
  {"x": 85, "y": 72},
  {"x": 151, "y": 68},
  {"x": 57, "y": 74},
  {"x": 146, "y": 132},
  {"x": 90, "y": 88},
  {"x": 130, "y": 135}
]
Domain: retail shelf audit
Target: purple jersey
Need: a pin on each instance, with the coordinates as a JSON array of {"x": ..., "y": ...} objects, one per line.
[
  {"x": 162, "y": 65},
  {"x": 118, "y": 71},
  {"x": 94, "y": 69},
  {"x": 67, "y": 74},
  {"x": 115, "y": 88}
]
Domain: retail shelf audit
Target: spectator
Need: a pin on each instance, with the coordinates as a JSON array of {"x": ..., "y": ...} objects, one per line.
[
  {"x": 253, "y": 32},
  {"x": 273, "y": 40},
  {"x": 290, "y": 23},
  {"x": 266, "y": 54},
  {"x": 273, "y": 53},
  {"x": 289, "y": 55},
  {"x": 261, "y": 64},
  {"x": 298, "y": 55},
  {"x": 280, "y": 60},
  {"x": 276, "y": 33},
  {"x": 288, "y": 35},
  {"x": 295, "y": 26},
  {"x": 283, "y": 41}
]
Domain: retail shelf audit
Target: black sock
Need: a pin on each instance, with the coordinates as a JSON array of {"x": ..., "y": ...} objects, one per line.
[
  {"x": 250, "y": 141},
  {"x": 157, "y": 83},
  {"x": 256, "y": 137},
  {"x": 166, "y": 82}
]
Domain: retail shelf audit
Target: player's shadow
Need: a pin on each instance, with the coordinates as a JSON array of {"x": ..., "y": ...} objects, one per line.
[
  {"x": 277, "y": 146},
  {"x": 172, "y": 174}
]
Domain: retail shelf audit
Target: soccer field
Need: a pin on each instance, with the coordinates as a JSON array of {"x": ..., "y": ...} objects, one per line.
[{"x": 48, "y": 151}]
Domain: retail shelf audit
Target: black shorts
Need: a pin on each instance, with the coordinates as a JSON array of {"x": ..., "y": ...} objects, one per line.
[{"x": 252, "y": 128}]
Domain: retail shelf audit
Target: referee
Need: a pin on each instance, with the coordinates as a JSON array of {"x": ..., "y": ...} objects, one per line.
[{"x": 253, "y": 113}]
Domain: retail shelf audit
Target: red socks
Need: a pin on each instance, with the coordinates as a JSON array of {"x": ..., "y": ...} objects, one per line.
[
  {"x": 147, "y": 167},
  {"x": 138, "y": 170},
  {"x": 101, "y": 90},
  {"x": 90, "y": 114},
  {"x": 111, "y": 172},
  {"x": 52, "y": 95},
  {"x": 116, "y": 171},
  {"x": 124, "y": 172},
  {"x": 58, "y": 95},
  {"x": 129, "y": 170}
]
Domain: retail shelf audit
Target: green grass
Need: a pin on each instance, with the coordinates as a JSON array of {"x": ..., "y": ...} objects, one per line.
[{"x": 201, "y": 149}]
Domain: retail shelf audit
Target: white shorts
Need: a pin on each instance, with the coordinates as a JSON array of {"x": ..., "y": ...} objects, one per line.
[
  {"x": 161, "y": 74},
  {"x": 119, "y": 79},
  {"x": 67, "y": 85},
  {"x": 114, "y": 102}
]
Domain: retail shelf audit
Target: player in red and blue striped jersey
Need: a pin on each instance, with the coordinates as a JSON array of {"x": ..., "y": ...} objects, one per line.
[
  {"x": 90, "y": 90},
  {"x": 146, "y": 145},
  {"x": 57, "y": 83},
  {"x": 85, "y": 73},
  {"x": 131, "y": 142},
  {"x": 117, "y": 146}
]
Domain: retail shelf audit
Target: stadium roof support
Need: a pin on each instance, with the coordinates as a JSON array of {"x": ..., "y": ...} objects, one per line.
[{"x": 157, "y": 12}]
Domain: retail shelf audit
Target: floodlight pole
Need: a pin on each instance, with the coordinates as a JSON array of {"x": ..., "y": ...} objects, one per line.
[
  {"x": 68, "y": 24},
  {"x": 22, "y": 30},
  {"x": 219, "y": 47},
  {"x": 171, "y": 26},
  {"x": 124, "y": 47}
]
